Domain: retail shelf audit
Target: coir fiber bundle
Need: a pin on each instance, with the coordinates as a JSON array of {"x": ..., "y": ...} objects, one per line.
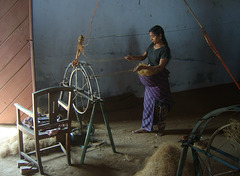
[
  {"x": 10, "y": 146},
  {"x": 164, "y": 162}
]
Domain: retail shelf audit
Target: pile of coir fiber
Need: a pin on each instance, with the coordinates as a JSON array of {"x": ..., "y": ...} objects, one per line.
[
  {"x": 10, "y": 146},
  {"x": 164, "y": 162},
  {"x": 233, "y": 131}
]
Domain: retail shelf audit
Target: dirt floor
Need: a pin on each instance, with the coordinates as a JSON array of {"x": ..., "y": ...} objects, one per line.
[{"x": 124, "y": 113}]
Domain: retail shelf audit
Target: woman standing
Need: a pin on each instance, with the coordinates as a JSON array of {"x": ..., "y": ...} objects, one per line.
[{"x": 157, "y": 98}]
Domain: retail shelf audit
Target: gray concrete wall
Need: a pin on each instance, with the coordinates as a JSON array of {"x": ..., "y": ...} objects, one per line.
[{"x": 120, "y": 27}]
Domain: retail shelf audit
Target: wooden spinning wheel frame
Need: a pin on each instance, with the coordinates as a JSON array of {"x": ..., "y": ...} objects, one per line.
[{"x": 85, "y": 83}]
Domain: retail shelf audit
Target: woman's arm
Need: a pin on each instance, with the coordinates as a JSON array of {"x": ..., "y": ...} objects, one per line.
[
  {"x": 161, "y": 66},
  {"x": 137, "y": 58},
  {"x": 154, "y": 69}
]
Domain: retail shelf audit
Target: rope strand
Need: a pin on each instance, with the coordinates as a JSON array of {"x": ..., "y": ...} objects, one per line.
[
  {"x": 114, "y": 73},
  {"x": 212, "y": 46},
  {"x": 90, "y": 25}
]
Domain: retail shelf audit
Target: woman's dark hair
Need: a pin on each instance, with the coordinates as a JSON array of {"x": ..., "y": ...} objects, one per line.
[{"x": 159, "y": 30}]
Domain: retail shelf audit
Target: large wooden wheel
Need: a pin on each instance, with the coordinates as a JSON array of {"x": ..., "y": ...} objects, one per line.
[{"x": 84, "y": 81}]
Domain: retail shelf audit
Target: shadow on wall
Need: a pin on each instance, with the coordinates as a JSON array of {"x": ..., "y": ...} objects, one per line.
[{"x": 133, "y": 44}]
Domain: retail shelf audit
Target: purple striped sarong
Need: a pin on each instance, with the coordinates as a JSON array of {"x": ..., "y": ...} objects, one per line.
[{"x": 157, "y": 90}]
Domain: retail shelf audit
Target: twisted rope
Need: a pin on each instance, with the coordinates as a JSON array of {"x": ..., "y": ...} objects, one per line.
[{"x": 212, "y": 46}]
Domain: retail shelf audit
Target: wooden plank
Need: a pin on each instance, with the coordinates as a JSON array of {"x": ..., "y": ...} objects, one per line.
[
  {"x": 15, "y": 67},
  {"x": 16, "y": 63},
  {"x": 14, "y": 44},
  {"x": 15, "y": 86},
  {"x": 8, "y": 116},
  {"x": 31, "y": 42},
  {"x": 5, "y": 6},
  {"x": 13, "y": 19}
]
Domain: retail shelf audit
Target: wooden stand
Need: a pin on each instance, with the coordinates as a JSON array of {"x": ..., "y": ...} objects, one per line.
[{"x": 95, "y": 103}]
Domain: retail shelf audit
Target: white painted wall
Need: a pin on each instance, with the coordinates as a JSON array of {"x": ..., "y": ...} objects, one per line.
[{"x": 120, "y": 27}]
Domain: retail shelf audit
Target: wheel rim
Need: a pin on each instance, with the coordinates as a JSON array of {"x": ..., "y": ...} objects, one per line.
[
  {"x": 92, "y": 80},
  {"x": 218, "y": 141},
  {"x": 82, "y": 90},
  {"x": 67, "y": 75}
]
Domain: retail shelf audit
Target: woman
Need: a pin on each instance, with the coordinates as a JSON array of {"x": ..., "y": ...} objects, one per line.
[{"x": 157, "y": 98}]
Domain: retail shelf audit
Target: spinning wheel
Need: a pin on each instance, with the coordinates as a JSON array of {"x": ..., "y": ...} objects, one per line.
[
  {"x": 86, "y": 89},
  {"x": 226, "y": 150},
  {"x": 217, "y": 153},
  {"x": 85, "y": 83}
]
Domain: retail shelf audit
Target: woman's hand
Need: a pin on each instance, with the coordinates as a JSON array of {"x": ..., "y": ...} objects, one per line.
[
  {"x": 139, "y": 67},
  {"x": 137, "y": 58},
  {"x": 129, "y": 57}
]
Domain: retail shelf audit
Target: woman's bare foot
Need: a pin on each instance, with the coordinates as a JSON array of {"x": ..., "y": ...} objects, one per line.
[
  {"x": 140, "y": 131},
  {"x": 161, "y": 131}
]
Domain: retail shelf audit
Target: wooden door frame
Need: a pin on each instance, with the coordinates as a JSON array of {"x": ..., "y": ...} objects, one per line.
[{"x": 31, "y": 44}]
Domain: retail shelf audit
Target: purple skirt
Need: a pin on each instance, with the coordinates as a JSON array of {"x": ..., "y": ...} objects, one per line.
[{"x": 157, "y": 90}]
